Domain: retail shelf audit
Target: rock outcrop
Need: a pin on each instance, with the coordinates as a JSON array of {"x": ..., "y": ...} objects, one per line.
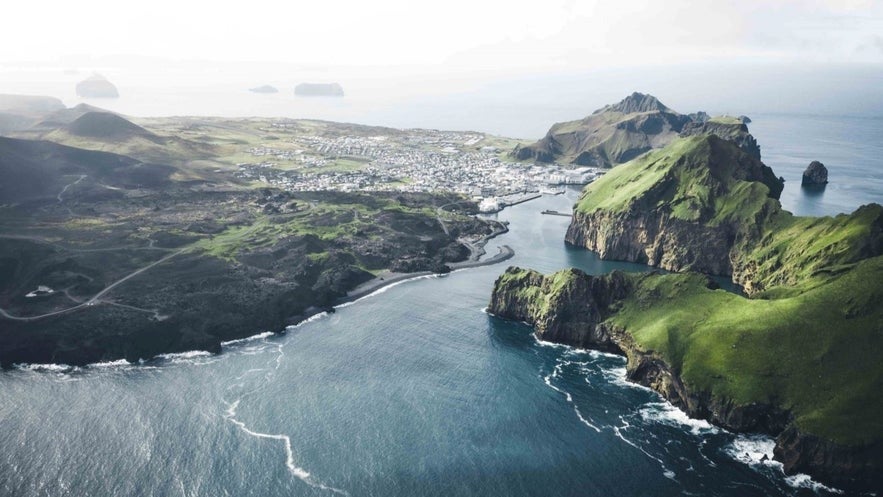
[
  {"x": 816, "y": 174},
  {"x": 805, "y": 453},
  {"x": 97, "y": 86},
  {"x": 567, "y": 307},
  {"x": 732, "y": 130}
]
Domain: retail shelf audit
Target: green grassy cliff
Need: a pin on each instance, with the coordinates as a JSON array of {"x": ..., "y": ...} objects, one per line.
[{"x": 798, "y": 357}]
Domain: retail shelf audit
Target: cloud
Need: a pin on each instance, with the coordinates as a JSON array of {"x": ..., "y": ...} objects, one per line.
[{"x": 514, "y": 33}]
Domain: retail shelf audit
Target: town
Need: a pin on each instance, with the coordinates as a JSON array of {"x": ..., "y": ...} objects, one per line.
[{"x": 413, "y": 160}]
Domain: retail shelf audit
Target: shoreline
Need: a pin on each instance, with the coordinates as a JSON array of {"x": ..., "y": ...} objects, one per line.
[
  {"x": 389, "y": 278},
  {"x": 476, "y": 252},
  {"x": 361, "y": 291}
]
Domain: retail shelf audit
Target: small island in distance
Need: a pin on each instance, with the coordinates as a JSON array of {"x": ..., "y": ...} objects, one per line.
[
  {"x": 97, "y": 86},
  {"x": 318, "y": 90},
  {"x": 264, "y": 89}
]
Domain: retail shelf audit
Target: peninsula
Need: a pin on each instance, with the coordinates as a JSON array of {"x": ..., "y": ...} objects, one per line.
[{"x": 795, "y": 357}]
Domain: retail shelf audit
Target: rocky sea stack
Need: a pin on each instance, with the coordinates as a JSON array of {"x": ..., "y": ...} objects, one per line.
[
  {"x": 816, "y": 174},
  {"x": 318, "y": 90},
  {"x": 97, "y": 86},
  {"x": 796, "y": 357}
]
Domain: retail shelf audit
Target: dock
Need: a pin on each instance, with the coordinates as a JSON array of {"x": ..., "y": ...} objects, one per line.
[{"x": 556, "y": 213}]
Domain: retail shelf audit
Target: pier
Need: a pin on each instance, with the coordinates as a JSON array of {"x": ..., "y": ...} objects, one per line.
[{"x": 556, "y": 213}]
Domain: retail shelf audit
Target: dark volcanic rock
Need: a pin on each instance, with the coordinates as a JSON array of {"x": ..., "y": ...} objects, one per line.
[
  {"x": 97, "y": 86},
  {"x": 37, "y": 170},
  {"x": 577, "y": 305},
  {"x": 845, "y": 467},
  {"x": 63, "y": 117},
  {"x": 318, "y": 90},
  {"x": 816, "y": 174},
  {"x": 699, "y": 117},
  {"x": 734, "y": 132},
  {"x": 637, "y": 102}
]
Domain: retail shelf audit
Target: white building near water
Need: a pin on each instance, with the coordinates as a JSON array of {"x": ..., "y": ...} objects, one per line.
[{"x": 490, "y": 204}]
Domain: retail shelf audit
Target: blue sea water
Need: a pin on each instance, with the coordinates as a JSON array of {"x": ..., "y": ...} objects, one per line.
[
  {"x": 851, "y": 147},
  {"x": 415, "y": 390}
]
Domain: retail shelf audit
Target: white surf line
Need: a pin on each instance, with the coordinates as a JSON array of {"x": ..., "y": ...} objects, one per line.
[
  {"x": 382, "y": 289},
  {"x": 295, "y": 470},
  {"x": 625, "y": 425},
  {"x": 548, "y": 381}
]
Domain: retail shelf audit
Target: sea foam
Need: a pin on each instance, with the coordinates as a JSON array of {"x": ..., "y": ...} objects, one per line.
[
  {"x": 259, "y": 336},
  {"x": 665, "y": 413}
]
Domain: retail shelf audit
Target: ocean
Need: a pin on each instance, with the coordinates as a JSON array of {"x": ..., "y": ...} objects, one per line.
[{"x": 415, "y": 390}]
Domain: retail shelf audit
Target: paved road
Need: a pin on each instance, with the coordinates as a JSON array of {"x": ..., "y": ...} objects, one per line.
[{"x": 94, "y": 300}]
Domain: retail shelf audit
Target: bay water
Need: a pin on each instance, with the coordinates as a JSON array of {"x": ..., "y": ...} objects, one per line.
[{"x": 415, "y": 390}]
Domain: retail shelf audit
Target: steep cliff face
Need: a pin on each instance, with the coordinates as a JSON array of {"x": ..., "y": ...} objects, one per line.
[
  {"x": 849, "y": 466},
  {"x": 731, "y": 129},
  {"x": 705, "y": 205},
  {"x": 566, "y": 307},
  {"x": 681, "y": 208},
  {"x": 574, "y": 308},
  {"x": 744, "y": 364},
  {"x": 655, "y": 239}
]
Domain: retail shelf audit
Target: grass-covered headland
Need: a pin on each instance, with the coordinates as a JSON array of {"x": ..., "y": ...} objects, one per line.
[{"x": 797, "y": 356}]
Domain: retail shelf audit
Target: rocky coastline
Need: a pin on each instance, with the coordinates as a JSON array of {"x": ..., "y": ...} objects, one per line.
[
  {"x": 706, "y": 205},
  {"x": 575, "y": 309}
]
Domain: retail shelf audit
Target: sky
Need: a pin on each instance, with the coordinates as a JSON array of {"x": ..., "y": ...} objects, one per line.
[{"x": 468, "y": 35}]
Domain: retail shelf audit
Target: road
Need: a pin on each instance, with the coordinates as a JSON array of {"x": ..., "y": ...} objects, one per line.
[{"x": 95, "y": 299}]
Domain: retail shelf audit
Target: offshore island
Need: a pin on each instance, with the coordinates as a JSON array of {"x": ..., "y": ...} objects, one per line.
[{"x": 127, "y": 238}]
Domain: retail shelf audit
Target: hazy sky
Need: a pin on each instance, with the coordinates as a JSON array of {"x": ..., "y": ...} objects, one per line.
[{"x": 467, "y": 34}]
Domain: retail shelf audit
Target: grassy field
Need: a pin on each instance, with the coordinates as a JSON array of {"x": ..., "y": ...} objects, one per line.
[
  {"x": 815, "y": 353},
  {"x": 808, "y": 339}
]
